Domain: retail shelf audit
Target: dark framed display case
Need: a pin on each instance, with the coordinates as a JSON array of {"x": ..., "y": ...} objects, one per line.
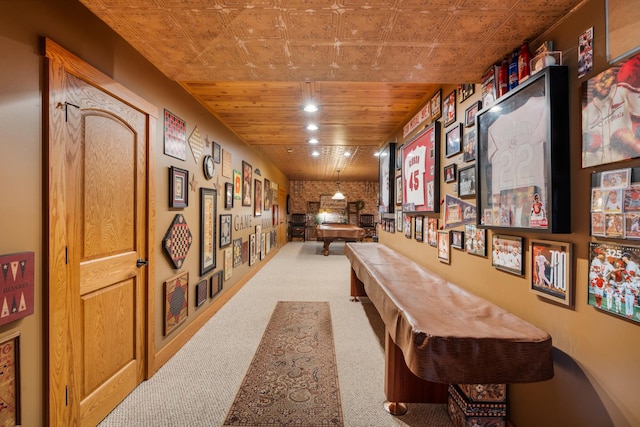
[
  {"x": 522, "y": 166},
  {"x": 386, "y": 175},
  {"x": 421, "y": 172}
]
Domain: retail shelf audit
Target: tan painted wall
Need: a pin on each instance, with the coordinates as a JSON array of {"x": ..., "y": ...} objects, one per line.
[{"x": 595, "y": 354}]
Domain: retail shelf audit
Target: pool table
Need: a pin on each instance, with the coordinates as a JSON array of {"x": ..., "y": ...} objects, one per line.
[{"x": 328, "y": 232}]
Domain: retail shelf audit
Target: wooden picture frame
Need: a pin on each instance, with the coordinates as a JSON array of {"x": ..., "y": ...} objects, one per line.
[
  {"x": 386, "y": 172},
  {"x": 457, "y": 239},
  {"x": 449, "y": 109},
  {"x": 470, "y": 114},
  {"x": 418, "y": 225},
  {"x": 551, "y": 276},
  {"x": 225, "y": 230},
  {"x": 507, "y": 253},
  {"x": 228, "y": 263},
  {"x": 475, "y": 240},
  {"x": 523, "y": 153},
  {"x": 247, "y": 181},
  {"x": 257, "y": 197},
  {"x": 432, "y": 232},
  {"x": 421, "y": 172},
  {"x": 178, "y": 187},
  {"x": 453, "y": 141},
  {"x": 176, "y": 302},
  {"x": 10, "y": 380},
  {"x": 613, "y": 293},
  {"x": 444, "y": 250},
  {"x": 208, "y": 215},
  {"x": 216, "y": 283},
  {"x": 467, "y": 182},
  {"x": 228, "y": 195},
  {"x": 469, "y": 145},
  {"x": 436, "y": 105},
  {"x": 202, "y": 290},
  {"x": 450, "y": 172}
]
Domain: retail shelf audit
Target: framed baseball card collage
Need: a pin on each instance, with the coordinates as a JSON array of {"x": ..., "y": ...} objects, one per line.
[{"x": 615, "y": 204}]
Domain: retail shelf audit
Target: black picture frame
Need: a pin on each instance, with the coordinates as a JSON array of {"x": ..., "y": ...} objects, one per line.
[
  {"x": 465, "y": 91},
  {"x": 470, "y": 114},
  {"x": 436, "y": 105},
  {"x": 449, "y": 109},
  {"x": 216, "y": 283},
  {"x": 467, "y": 182},
  {"x": 450, "y": 173},
  {"x": 523, "y": 156},
  {"x": 216, "y": 152},
  {"x": 247, "y": 181},
  {"x": 453, "y": 141},
  {"x": 507, "y": 253},
  {"x": 225, "y": 230},
  {"x": 228, "y": 195},
  {"x": 469, "y": 145},
  {"x": 418, "y": 225},
  {"x": 421, "y": 172},
  {"x": 386, "y": 175},
  {"x": 457, "y": 239},
  {"x": 208, "y": 215},
  {"x": 257, "y": 197},
  {"x": 178, "y": 187},
  {"x": 202, "y": 288}
]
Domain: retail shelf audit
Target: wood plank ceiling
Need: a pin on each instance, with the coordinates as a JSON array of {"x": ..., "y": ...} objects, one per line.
[{"x": 368, "y": 64}]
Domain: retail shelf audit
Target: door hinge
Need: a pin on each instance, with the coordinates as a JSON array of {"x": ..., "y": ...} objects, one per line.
[
  {"x": 66, "y": 395},
  {"x": 66, "y": 254}
]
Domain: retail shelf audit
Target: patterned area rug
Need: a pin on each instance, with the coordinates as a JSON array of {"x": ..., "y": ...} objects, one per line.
[{"x": 293, "y": 378}]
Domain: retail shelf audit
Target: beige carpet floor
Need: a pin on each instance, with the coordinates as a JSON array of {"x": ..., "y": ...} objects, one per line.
[{"x": 198, "y": 385}]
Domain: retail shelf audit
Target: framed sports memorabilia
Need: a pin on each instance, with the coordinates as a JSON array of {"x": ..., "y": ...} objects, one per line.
[
  {"x": 247, "y": 180},
  {"x": 470, "y": 114},
  {"x": 399, "y": 221},
  {"x": 457, "y": 239},
  {"x": 407, "y": 226},
  {"x": 522, "y": 163},
  {"x": 467, "y": 181},
  {"x": 386, "y": 173},
  {"x": 178, "y": 187},
  {"x": 469, "y": 145},
  {"x": 506, "y": 253},
  {"x": 449, "y": 109},
  {"x": 399, "y": 190},
  {"x": 453, "y": 143},
  {"x": 208, "y": 207},
  {"x": 450, "y": 173},
  {"x": 421, "y": 172},
  {"x": 551, "y": 270},
  {"x": 432, "y": 231},
  {"x": 475, "y": 240},
  {"x": 465, "y": 91},
  {"x": 418, "y": 225},
  {"x": 613, "y": 276},
  {"x": 436, "y": 105},
  {"x": 443, "y": 247},
  {"x": 225, "y": 230}
]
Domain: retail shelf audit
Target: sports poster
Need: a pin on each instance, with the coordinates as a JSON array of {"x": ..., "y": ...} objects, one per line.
[{"x": 421, "y": 172}]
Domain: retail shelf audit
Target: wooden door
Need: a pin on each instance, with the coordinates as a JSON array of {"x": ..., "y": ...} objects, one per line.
[
  {"x": 98, "y": 228},
  {"x": 282, "y": 217}
]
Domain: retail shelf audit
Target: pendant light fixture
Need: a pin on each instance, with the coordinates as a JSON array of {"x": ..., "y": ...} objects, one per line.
[{"x": 338, "y": 195}]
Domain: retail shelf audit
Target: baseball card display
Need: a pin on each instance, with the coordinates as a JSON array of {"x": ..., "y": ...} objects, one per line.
[{"x": 615, "y": 205}]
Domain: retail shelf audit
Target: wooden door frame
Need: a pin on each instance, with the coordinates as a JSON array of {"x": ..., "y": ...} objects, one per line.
[{"x": 58, "y": 61}]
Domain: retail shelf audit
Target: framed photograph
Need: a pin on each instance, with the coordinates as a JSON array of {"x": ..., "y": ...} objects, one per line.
[
  {"x": 228, "y": 195},
  {"x": 466, "y": 90},
  {"x": 216, "y": 283},
  {"x": 615, "y": 179},
  {"x": 551, "y": 270},
  {"x": 449, "y": 109},
  {"x": 436, "y": 105},
  {"x": 421, "y": 172},
  {"x": 208, "y": 207},
  {"x": 475, "y": 240},
  {"x": 450, "y": 172},
  {"x": 10, "y": 380},
  {"x": 247, "y": 180},
  {"x": 267, "y": 195},
  {"x": 386, "y": 172},
  {"x": 225, "y": 230},
  {"x": 467, "y": 182},
  {"x": 257, "y": 197},
  {"x": 237, "y": 185},
  {"x": 237, "y": 252},
  {"x": 407, "y": 226},
  {"x": 611, "y": 138},
  {"x": 470, "y": 114},
  {"x": 418, "y": 225},
  {"x": 252, "y": 249},
  {"x": 228, "y": 263},
  {"x": 523, "y": 153},
  {"x": 216, "y": 153},
  {"x": 176, "y": 298},
  {"x": 178, "y": 187},
  {"x": 457, "y": 239},
  {"x": 399, "y": 220},
  {"x": 613, "y": 271},
  {"x": 399, "y": 156},
  {"x": 399, "y": 190},
  {"x": 506, "y": 253},
  {"x": 469, "y": 145},
  {"x": 453, "y": 141},
  {"x": 432, "y": 232},
  {"x": 443, "y": 247},
  {"x": 202, "y": 290}
]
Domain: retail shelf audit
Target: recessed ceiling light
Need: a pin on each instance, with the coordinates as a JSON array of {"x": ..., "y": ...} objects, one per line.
[
  {"x": 313, "y": 140},
  {"x": 347, "y": 154},
  {"x": 310, "y": 108},
  {"x": 312, "y": 127},
  {"x": 314, "y": 153}
]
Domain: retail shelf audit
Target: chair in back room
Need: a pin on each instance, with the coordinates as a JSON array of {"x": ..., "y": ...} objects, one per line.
[
  {"x": 366, "y": 222},
  {"x": 298, "y": 226}
]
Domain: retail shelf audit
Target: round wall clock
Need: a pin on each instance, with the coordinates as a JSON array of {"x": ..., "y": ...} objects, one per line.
[{"x": 209, "y": 167}]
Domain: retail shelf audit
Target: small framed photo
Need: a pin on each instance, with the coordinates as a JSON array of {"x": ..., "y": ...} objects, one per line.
[
  {"x": 449, "y": 109},
  {"x": 216, "y": 152},
  {"x": 453, "y": 141},
  {"x": 399, "y": 220},
  {"x": 506, "y": 253},
  {"x": 469, "y": 145},
  {"x": 216, "y": 283},
  {"x": 225, "y": 230},
  {"x": 443, "y": 247},
  {"x": 467, "y": 182},
  {"x": 202, "y": 288},
  {"x": 407, "y": 226},
  {"x": 615, "y": 179},
  {"x": 457, "y": 239},
  {"x": 228, "y": 195},
  {"x": 466, "y": 90},
  {"x": 470, "y": 114},
  {"x": 398, "y": 190},
  {"x": 436, "y": 105},
  {"x": 208, "y": 207},
  {"x": 551, "y": 270},
  {"x": 178, "y": 187},
  {"x": 475, "y": 240},
  {"x": 257, "y": 197},
  {"x": 247, "y": 180},
  {"x": 418, "y": 226},
  {"x": 450, "y": 173},
  {"x": 432, "y": 232}
]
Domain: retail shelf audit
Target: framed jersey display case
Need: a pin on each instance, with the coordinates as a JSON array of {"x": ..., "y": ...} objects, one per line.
[
  {"x": 522, "y": 166},
  {"x": 387, "y": 171},
  {"x": 421, "y": 172}
]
